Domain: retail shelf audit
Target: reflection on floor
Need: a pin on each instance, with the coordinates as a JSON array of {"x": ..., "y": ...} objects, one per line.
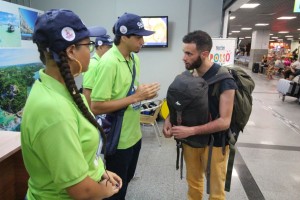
[{"x": 266, "y": 165}]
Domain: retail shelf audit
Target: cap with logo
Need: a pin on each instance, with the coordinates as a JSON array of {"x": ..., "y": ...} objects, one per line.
[
  {"x": 57, "y": 29},
  {"x": 131, "y": 24},
  {"x": 103, "y": 40}
]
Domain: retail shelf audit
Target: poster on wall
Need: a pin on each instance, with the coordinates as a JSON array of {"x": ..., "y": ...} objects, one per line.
[
  {"x": 223, "y": 51},
  {"x": 19, "y": 62}
]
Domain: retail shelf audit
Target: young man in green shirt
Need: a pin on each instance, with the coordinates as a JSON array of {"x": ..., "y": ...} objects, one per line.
[
  {"x": 114, "y": 77},
  {"x": 102, "y": 44}
]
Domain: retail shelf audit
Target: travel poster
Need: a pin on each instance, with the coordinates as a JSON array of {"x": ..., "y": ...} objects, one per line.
[{"x": 19, "y": 62}]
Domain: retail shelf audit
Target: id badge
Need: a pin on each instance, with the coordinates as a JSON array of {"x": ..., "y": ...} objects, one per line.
[{"x": 137, "y": 105}]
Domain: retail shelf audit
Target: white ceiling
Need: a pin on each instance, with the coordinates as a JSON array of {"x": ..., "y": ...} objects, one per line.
[{"x": 267, "y": 12}]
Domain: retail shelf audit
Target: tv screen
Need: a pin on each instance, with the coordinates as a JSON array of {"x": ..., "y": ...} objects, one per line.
[{"x": 159, "y": 24}]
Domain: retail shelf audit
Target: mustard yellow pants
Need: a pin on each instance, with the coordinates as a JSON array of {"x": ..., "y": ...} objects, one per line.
[{"x": 196, "y": 162}]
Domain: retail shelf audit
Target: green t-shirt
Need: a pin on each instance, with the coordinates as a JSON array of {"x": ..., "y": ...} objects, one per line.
[
  {"x": 113, "y": 79},
  {"x": 89, "y": 76},
  {"x": 58, "y": 143}
]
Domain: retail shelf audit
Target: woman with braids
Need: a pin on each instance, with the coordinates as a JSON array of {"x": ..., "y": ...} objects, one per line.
[{"x": 61, "y": 141}]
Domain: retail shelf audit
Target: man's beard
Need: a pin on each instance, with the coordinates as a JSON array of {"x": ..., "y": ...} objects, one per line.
[{"x": 194, "y": 65}]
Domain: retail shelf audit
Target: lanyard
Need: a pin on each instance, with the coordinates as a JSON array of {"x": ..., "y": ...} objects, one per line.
[
  {"x": 132, "y": 74},
  {"x": 133, "y": 67}
]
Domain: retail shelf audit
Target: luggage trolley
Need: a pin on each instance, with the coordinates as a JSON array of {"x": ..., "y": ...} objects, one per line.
[{"x": 288, "y": 88}]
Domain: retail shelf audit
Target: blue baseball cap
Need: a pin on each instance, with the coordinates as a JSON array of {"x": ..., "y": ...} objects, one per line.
[
  {"x": 131, "y": 24},
  {"x": 57, "y": 29},
  {"x": 103, "y": 40}
]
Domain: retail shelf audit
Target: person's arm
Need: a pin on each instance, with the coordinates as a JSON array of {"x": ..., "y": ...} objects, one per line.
[
  {"x": 167, "y": 128},
  {"x": 219, "y": 124},
  {"x": 90, "y": 189},
  {"x": 143, "y": 92},
  {"x": 87, "y": 93},
  {"x": 293, "y": 67}
]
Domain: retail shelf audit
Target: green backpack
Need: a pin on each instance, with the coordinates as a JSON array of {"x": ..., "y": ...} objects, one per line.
[
  {"x": 243, "y": 100},
  {"x": 241, "y": 109}
]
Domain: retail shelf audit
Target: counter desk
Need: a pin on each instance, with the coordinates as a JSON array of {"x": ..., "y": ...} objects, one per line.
[{"x": 13, "y": 175}]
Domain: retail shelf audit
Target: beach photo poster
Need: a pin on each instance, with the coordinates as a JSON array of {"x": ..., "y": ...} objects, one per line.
[{"x": 19, "y": 62}]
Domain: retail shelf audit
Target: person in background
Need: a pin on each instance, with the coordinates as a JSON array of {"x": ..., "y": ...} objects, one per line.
[
  {"x": 279, "y": 65},
  {"x": 60, "y": 138},
  {"x": 109, "y": 94},
  {"x": 270, "y": 70},
  {"x": 264, "y": 64},
  {"x": 196, "y": 48},
  {"x": 295, "y": 54},
  {"x": 294, "y": 70},
  {"x": 288, "y": 61},
  {"x": 102, "y": 44}
]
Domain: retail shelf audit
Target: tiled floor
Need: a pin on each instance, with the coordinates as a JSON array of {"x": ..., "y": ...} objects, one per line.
[{"x": 267, "y": 165}]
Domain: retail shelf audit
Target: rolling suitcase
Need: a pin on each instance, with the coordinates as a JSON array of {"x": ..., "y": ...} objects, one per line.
[
  {"x": 283, "y": 86},
  {"x": 292, "y": 89},
  {"x": 288, "y": 88}
]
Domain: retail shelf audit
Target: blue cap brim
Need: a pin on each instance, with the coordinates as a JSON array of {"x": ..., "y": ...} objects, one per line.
[
  {"x": 96, "y": 31},
  {"x": 144, "y": 33}
]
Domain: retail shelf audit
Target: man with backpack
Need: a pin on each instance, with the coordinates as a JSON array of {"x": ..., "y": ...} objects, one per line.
[{"x": 196, "y": 48}]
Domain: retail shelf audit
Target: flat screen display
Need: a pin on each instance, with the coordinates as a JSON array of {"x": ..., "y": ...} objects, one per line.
[{"x": 159, "y": 24}]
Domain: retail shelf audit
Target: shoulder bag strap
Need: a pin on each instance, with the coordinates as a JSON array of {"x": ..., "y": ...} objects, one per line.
[{"x": 133, "y": 75}]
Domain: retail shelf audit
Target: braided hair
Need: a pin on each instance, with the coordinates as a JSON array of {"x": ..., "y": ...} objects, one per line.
[{"x": 65, "y": 71}]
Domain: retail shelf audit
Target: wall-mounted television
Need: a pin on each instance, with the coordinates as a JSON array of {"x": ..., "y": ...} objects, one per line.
[{"x": 159, "y": 24}]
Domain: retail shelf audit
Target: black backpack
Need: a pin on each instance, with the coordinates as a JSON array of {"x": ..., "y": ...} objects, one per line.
[{"x": 187, "y": 101}]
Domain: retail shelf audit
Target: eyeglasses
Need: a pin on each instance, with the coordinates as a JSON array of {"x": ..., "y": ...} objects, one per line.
[{"x": 91, "y": 45}]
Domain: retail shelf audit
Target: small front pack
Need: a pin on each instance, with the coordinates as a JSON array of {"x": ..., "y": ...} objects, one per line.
[{"x": 187, "y": 100}]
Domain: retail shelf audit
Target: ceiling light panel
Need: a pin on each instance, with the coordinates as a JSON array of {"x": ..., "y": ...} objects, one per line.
[
  {"x": 287, "y": 17},
  {"x": 250, "y": 5},
  {"x": 246, "y": 28},
  {"x": 261, "y": 24}
]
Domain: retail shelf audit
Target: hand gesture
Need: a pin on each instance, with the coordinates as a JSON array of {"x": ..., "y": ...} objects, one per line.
[
  {"x": 112, "y": 182},
  {"x": 147, "y": 91},
  {"x": 113, "y": 178}
]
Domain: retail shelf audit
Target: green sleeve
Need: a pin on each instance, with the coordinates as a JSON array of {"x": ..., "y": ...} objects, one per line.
[
  {"x": 59, "y": 148},
  {"x": 103, "y": 87},
  {"x": 89, "y": 76}
]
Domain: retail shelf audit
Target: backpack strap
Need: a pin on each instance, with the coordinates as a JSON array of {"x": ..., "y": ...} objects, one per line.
[
  {"x": 208, "y": 166},
  {"x": 232, "y": 151},
  {"x": 181, "y": 162},
  {"x": 222, "y": 74},
  {"x": 179, "y": 145}
]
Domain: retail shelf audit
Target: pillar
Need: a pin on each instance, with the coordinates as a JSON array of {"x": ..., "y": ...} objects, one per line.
[{"x": 259, "y": 45}]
